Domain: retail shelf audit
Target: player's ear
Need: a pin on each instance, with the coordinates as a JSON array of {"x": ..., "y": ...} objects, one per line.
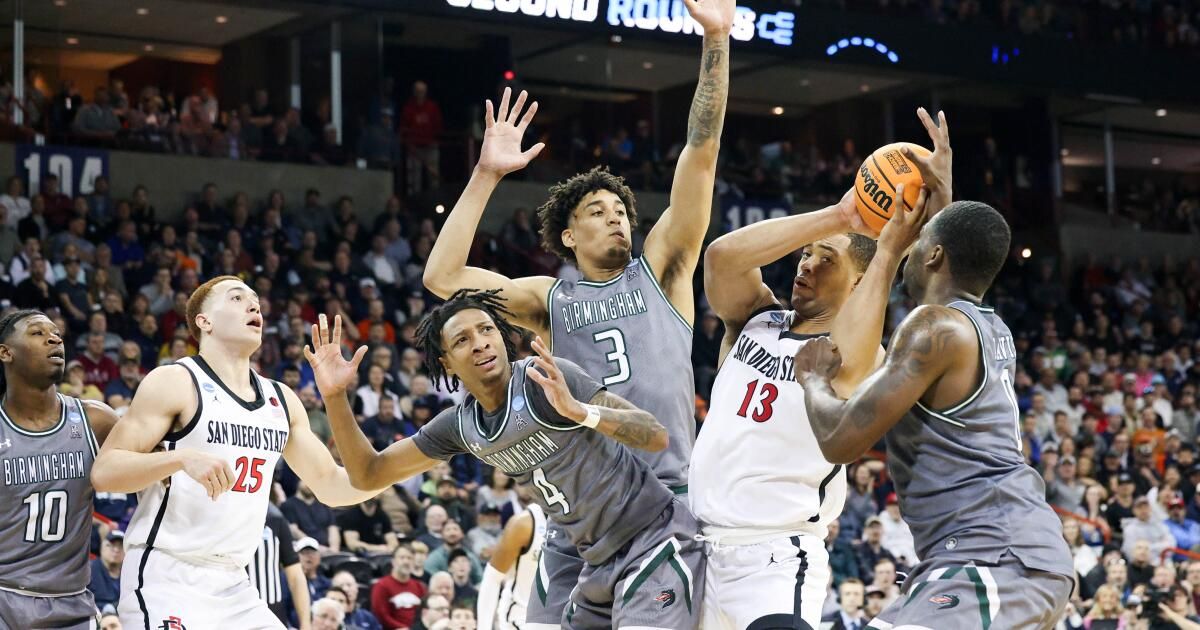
[
  {"x": 446, "y": 366},
  {"x": 936, "y": 258},
  {"x": 203, "y": 323},
  {"x": 857, "y": 278},
  {"x": 6, "y": 354},
  {"x": 568, "y": 238}
]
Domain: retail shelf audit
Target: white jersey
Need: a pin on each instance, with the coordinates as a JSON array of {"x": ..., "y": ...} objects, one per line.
[
  {"x": 757, "y": 471},
  {"x": 518, "y": 582},
  {"x": 177, "y": 517}
]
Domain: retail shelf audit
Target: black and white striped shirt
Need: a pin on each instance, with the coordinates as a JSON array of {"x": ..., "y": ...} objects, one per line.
[{"x": 274, "y": 553}]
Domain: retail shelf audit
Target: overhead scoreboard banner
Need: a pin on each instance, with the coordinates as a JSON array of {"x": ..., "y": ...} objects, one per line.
[
  {"x": 76, "y": 168},
  {"x": 663, "y": 16}
]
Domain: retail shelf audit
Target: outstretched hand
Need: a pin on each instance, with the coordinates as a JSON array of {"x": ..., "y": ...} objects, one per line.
[
  {"x": 848, "y": 210},
  {"x": 331, "y": 370},
  {"x": 501, "y": 151},
  {"x": 557, "y": 393},
  {"x": 936, "y": 168},
  {"x": 716, "y": 16}
]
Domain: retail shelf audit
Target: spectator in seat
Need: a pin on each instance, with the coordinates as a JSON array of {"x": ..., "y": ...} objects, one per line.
[
  {"x": 435, "y": 521},
  {"x": 328, "y": 614},
  {"x": 897, "y": 538},
  {"x": 420, "y": 555},
  {"x": 318, "y": 420},
  {"x": 435, "y": 608},
  {"x": 452, "y": 539},
  {"x": 97, "y": 120},
  {"x": 396, "y": 597},
  {"x": 1139, "y": 567},
  {"x": 1063, "y": 489},
  {"x": 462, "y": 616},
  {"x": 98, "y": 367},
  {"x": 385, "y": 427},
  {"x": 15, "y": 201},
  {"x": 1185, "y": 530},
  {"x": 441, "y": 583},
  {"x": 366, "y": 529},
  {"x": 329, "y": 151},
  {"x": 35, "y": 291},
  {"x": 885, "y": 580},
  {"x": 850, "y": 607},
  {"x": 75, "y": 384},
  {"x": 377, "y": 143},
  {"x": 110, "y": 621},
  {"x": 1143, "y": 528},
  {"x": 482, "y": 538},
  {"x": 310, "y": 563},
  {"x": 420, "y": 126},
  {"x": 73, "y": 295},
  {"x": 842, "y": 561},
  {"x": 106, "y": 571},
  {"x": 875, "y": 599},
  {"x": 870, "y": 549},
  {"x": 130, "y": 376},
  {"x": 373, "y": 390},
  {"x": 357, "y": 617},
  {"x": 459, "y": 569},
  {"x": 311, "y": 518},
  {"x": 450, "y": 496},
  {"x": 279, "y": 146}
]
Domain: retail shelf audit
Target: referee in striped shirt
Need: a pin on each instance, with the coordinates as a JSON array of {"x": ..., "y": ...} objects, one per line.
[{"x": 276, "y": 556}]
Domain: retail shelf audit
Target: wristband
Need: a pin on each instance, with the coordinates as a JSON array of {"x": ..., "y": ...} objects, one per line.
[{"x": 593, "y": 416}]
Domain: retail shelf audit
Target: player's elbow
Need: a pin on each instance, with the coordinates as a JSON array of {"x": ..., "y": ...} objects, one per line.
[
  {"x": 436, "y": 280},
  {"x": 837, "y": 451}
]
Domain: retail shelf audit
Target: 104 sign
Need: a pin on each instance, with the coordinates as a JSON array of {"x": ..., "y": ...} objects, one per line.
[{"x": 76, "y": 168}]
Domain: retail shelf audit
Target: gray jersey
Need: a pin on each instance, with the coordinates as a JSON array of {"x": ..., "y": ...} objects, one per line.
[
  {"x": 46, "y": 503},
  {"x": 626, "y": 330},
  {"x": 964, "y": 487},
  {"x": 589, "y": 484}
]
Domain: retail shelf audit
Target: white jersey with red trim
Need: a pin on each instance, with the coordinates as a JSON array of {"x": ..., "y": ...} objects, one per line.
[
  {"x": 177, "y": 516},
  {"x": 757, "y": 472}
]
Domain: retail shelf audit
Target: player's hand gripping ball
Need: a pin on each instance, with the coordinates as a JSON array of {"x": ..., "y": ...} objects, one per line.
[{"x": 876, "y": 181}]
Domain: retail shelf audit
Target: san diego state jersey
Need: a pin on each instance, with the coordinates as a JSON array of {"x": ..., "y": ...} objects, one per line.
[
  {"x": 178, "y": 517},
  {"x": 757, "y": 468}
]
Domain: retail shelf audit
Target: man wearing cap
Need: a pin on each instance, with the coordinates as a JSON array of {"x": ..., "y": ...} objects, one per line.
[
  {"x": 1063, "y": 490},
  {"x": 870, "y": 549},
  {"x": 1185, "y": 530},
  {"x": 1143, "y": 527},
  {"x": 106, "y": 571},
  {"x": 483, "y": 538},
  {"x": 875, "y": 602},
  {"x": 897, "y": 537},
  {"x": 1120, "y": 507},
  {"x": 459, "y": 568},
  {"x": 310, "y": 563}
]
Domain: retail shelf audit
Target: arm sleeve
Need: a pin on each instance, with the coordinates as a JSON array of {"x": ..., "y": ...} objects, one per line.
[
  {"x": 287, "y": 551},
  {"x": 489, "y": 598},
  {"x": 440, "y": 439}
]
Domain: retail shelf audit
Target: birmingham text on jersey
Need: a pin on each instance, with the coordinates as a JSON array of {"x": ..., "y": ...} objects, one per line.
[
  {"x": 580, "y": 313},
  {"x": 40, "y": 468}
]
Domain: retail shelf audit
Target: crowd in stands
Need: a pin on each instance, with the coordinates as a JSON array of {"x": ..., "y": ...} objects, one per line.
[{"x": 1106, "y": 383}]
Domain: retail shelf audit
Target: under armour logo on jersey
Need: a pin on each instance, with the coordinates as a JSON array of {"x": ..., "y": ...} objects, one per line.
[
  {"x": 475, "y": 446},
  {"x": 6, "y": 443},
  {"x": 564, "y": 296}
]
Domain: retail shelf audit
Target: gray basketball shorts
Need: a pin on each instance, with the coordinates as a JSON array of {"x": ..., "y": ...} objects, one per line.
[
  {"x": 557, "y": 574},
  {"x": 28, "y": 612},
  {"x": 655, "y": 581},
  {"x": 1006, "y": 596}
]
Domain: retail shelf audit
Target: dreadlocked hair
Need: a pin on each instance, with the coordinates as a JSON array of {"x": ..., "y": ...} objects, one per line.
[
  {"x": 429, "y": 331},
  {"x": 555, "y": 214},
  {"x": 8, "y": 324}
]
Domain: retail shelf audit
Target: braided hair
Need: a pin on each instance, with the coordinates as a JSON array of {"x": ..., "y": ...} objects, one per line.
[
  {"x": 429, "y": 331},
  {"x": 8, "y": 324}
]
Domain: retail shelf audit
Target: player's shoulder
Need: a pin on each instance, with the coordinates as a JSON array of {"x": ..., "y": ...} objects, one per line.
[
  {"x": 167, "y": 375},
  {"x": 938, "y": 326}
]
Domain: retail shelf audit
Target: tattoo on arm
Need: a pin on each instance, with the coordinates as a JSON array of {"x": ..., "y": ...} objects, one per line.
[
  {"x": 707, "y": 115},
  {"x": 627, "y": 424}
]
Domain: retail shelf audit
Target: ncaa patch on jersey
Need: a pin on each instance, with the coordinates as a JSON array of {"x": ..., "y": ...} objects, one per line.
[
  {"x": 209, "y": 387},
  {"x": 74, "y": 416},
  {"x": 518, "y": 403}
]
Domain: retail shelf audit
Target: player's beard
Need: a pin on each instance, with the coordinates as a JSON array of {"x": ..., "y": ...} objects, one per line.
[{"x": 617, "y": 256}]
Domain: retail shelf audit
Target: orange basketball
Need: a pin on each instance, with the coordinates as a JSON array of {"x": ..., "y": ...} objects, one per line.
[{"x": 877, "y": 178}]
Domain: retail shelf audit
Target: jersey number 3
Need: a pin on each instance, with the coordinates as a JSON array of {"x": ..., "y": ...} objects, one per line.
[
  {"x": 766, "y": 398},
  {"x": 617, "y": 356}
]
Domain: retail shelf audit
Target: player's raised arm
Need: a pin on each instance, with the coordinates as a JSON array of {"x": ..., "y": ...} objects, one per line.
[
  {"x": 447, "y": 270},
  {"x": 516, "y": 536},
  {"x": 366, "y": 468},
  {"x": 858, "y": 328},
  {"x": 605, "y": 412},
  {"x": 930, "y": 342},
  {"x": 936, "y": 169},
  {"x": 673, "y": 246},
  {"x": 126, "y": 463},
  {"x": 732, "y": 278}
]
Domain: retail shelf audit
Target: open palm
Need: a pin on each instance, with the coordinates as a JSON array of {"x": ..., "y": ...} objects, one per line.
[
  {"x": 331, "y": 370},
  {"x": 716, "y": 16},
  {"x": 501, "y": 151}
]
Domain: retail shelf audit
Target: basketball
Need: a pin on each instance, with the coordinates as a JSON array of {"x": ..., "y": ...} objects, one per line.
[{"x": 877, "y": 178}]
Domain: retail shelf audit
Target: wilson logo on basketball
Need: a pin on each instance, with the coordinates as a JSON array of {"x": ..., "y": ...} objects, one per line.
[{"x": 872, "y": 190}]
